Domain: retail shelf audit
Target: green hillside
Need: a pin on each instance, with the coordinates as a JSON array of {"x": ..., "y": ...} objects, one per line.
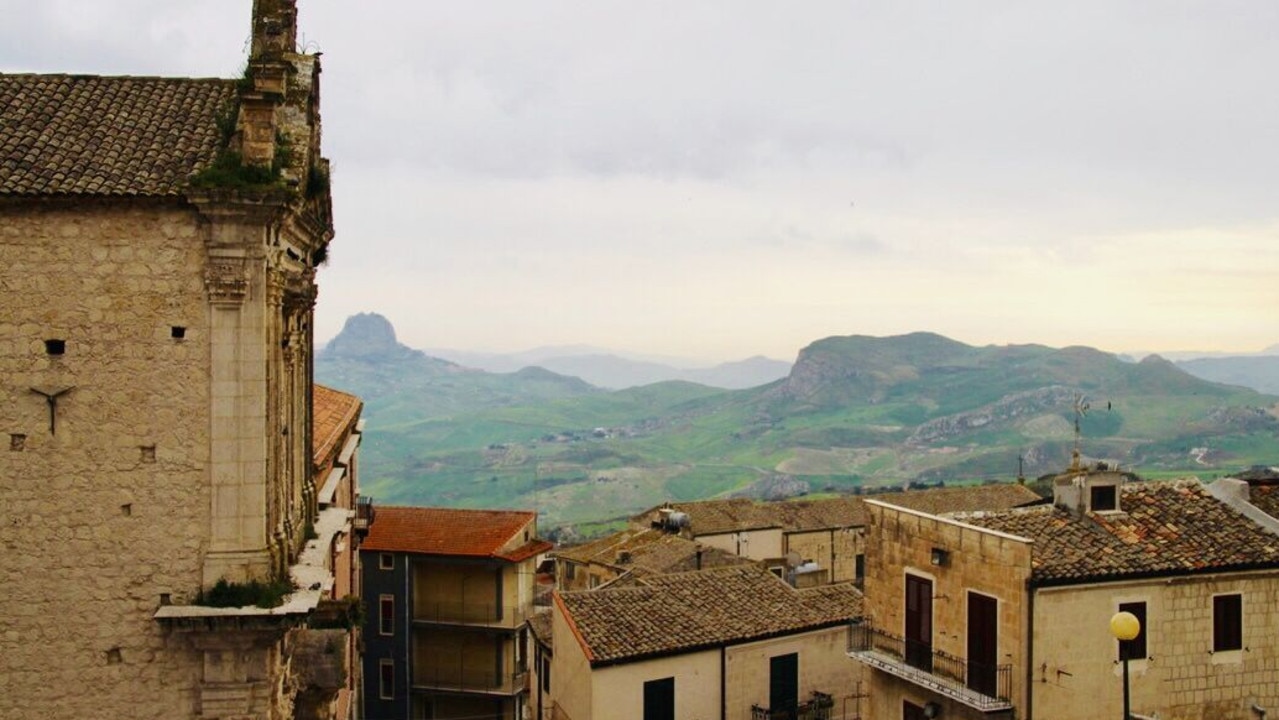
[{"x": 856, "y": 412}]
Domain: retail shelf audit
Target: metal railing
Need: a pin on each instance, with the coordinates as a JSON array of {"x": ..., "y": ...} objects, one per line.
[
  {"x": 364, "y": 514},
  {"x": 979, "y": 685},
  {"x": 817, "y": 708},
  {"x": 467, "y": 679},
  {"x": 460, "y": 613}
]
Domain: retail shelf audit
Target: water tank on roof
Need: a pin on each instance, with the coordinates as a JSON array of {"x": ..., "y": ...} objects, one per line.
[{"x": 677, "y": 520}]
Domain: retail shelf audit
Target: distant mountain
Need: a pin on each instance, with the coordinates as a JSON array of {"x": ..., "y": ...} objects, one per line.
[
  {"x": 854, "y": 413},
  {"x": 1261, "y": 373},
  {"x": 615, "y": 371},
  {"x": 399, "y": 383}
]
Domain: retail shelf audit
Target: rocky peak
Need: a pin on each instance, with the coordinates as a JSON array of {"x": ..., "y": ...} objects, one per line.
[{"x": 367, "y": 335}]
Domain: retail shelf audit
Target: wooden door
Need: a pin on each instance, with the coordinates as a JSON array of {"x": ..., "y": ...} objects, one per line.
[
  {"x": 919, "y": 622},
  {"x": 983, "y": 643}
]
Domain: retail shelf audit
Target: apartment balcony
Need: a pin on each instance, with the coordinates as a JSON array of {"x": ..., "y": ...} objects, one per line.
[
  {"x": 461, "y": 678},
  {"x": 487, "y": 615},
  {"x": 819, "y": 707},
  {"x": 987, "y": 688},
  {"x": 364, "y": 515}
]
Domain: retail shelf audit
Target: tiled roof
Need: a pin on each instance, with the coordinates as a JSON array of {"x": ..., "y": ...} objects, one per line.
[
  {"x": 539, "y": 623},
  {"x": 650, "y": 552},
  {"x": 964, "y": 498},
  {"x": 1266, "y": 498},
  {"x": 713, "y": 517},
  {"x": 451, "y": 531},
  {"x": 691, "y": 611},
  {"x": 333, "y": 414},
  {"x": 92, "y": 135},
  {"x": 1164, "y": 528}
]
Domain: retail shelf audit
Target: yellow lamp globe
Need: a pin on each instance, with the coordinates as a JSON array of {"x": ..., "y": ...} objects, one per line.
[{"x": 1125, "y": 626}]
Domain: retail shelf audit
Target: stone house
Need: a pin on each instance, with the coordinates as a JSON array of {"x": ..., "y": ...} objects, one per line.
[
  {"x": 634, "y": 553},
  {"x": 448, "y": 595},
  {"x": 158, "y": 244},
  {"x": 815, "y": 541},
  {"x": 1006, "y": 614},
  {"x": 731, "y": 642}
]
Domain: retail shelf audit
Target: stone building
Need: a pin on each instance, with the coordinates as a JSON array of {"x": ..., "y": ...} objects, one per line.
[
  {"x": 730, "y": 642},
  {"x": 634, "y": 553},
  {"x": 815, "y": 541},
  {"x": 158, "y": 244},
  {"x": 1006, "y": 614},
  {"x": 448, "y": 594}
]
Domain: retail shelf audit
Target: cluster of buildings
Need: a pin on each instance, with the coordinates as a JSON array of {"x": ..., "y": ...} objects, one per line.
[{"x": 185, "y": 537}]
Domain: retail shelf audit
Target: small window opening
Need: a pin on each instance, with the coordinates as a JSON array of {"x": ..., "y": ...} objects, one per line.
[
  {"x": 1102, "y": 497},
  {"x": 177, "y": 332},
  {"x": 386, "y": 561},
  {"x": 55, "y": 346},
  {"x": 126, "y": 509},
  {"x": 166, "y": 598},
  {"x": 114, "y": 657},
  {"x": 17, "y": 442},
  {"x": 147, "y": 453}
]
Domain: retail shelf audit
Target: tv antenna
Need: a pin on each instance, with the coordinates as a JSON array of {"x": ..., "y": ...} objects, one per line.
[{"x": 1081, "y": 409}]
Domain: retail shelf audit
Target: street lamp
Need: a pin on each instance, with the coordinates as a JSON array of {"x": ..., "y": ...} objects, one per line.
[{"x": 1125, "y": 627}]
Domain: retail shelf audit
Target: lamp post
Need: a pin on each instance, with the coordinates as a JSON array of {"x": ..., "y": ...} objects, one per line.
[{"x": 1125, "y": 626}]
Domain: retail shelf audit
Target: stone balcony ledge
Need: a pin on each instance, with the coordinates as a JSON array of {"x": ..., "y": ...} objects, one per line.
[{"x": 311, "y": 576}]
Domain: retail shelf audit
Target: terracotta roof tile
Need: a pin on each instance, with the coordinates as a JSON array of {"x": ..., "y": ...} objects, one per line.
[
  {"x": 539, "y": 623},
  {"x": 1163, "y": 528},
  {"x": 712, "y": 517},
  {"x": 963, "y": 498},
  {"x": 689, "y": 611},
  {"x": 1266, "y": 498},
  {"x": 333, "y": 414},
  {"x": 92, "y": 135},
  {"x": 648, "y": 552},
  {"x": 452, "y": 531}
]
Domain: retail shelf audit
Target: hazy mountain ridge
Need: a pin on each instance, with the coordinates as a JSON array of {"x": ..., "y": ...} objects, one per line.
[
  {"x": 606, "y": 369},
  {"x": 854, "y": 412},
  {"x": 1260, "y": 373}
]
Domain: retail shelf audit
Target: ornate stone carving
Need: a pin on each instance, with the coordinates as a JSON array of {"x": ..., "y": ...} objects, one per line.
[{"x": 226, "y": 280}]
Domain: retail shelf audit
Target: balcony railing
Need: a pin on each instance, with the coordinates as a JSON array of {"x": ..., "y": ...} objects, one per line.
[
  {"x": 458, "y": 613},
  {"x": 819, "y": 707},
  {"x": 364, "y": 515},
  {"x": 978, "y": 685},
  {"x": 466, "y": 679}
]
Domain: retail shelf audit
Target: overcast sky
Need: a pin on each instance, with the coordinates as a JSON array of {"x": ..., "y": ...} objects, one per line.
[{"x": 718, "y": 179}]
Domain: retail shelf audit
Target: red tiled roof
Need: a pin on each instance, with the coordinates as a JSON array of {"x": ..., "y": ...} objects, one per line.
[
  {"x": 92, "y": 135},
  {"x": 452, "y": 531},
  {"x": 333, "y": 414},
  {"x": 1163, "y": 528}
]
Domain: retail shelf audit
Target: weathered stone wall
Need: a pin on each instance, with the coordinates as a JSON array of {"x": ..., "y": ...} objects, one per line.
[
  {"x": 104, "y": 518},
  {"x": 823, "y": 667},
  {"x": 900, "y": 542},
  {"x": 1181, "y": 678},
  {"x": 834, "y": 549}
]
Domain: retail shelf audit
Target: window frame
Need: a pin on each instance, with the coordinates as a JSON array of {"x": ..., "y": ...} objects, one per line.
[
  {"x": 1110, "y": 493},
  {"x": 654, "y": 687},
  {"x": 386, "y": 679},
  {"x": 386, "y": 561},
  {"x": 1138, "y": 648},
  {"x": 385, "y": 619},
  {"x": 1227, "y": 630}
]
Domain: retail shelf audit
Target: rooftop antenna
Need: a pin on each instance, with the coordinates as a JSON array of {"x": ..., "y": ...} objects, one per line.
[{"x": 1081, "y": 409}]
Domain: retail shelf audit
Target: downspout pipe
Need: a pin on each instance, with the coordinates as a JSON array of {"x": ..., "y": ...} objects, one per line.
[
  {"x": 1030, "y": 651},
  {"x": 723, "y": 683}
]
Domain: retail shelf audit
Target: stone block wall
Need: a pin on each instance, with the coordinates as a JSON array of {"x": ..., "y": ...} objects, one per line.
[
  {"x": 1181, "y": 678},
  {"x": 833, "y": 549},
  {"x": 901, "y": 542},
  {"x": 106, "y": 519},
  {"x": 823, "y": 667}
]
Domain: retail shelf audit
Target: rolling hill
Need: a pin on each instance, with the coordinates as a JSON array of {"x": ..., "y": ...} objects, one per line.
[{"x": 855, "y": 412}]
